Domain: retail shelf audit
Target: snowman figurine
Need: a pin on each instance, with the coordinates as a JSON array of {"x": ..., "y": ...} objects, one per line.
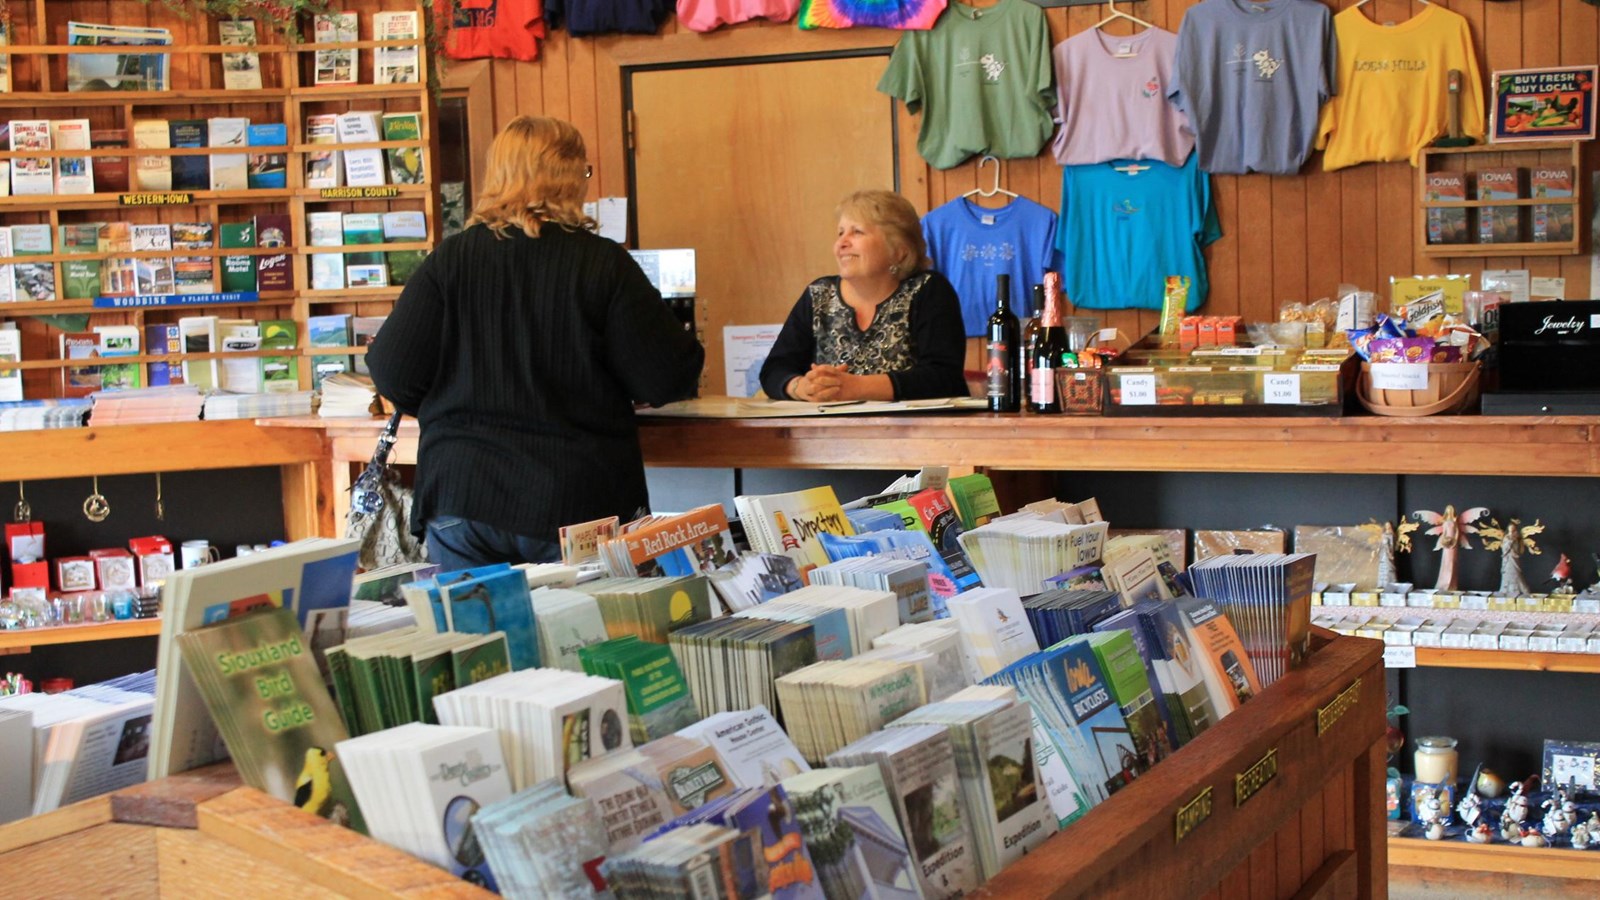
[
  {"x": 1516, "y": 810},
  {"x": 1433, "y": 813},
  {"x": 1531, "y": 836},
  {"x": 1470, "y": 809},
  {"x": 1482, "y": 834},
  {"x": 1560, "y": 813}
]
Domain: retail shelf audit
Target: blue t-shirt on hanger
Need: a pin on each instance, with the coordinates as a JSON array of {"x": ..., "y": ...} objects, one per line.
[
  {"x": 1122, "y": 234},
  {"x": 970, "y": 245}
]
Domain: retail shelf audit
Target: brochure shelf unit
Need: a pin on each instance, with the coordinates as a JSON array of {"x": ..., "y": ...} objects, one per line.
[
  {"x": 39, "y": 50},
  {"x": 1530, "y": 153}
]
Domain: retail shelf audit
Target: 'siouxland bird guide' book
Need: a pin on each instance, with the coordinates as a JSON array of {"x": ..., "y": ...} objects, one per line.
[{"x": 258, "y": 678}]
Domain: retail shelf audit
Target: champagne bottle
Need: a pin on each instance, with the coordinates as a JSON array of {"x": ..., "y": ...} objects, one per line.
[
  {"x": 1005, "y": 351},
  {"x": 1030, "y": 334},
  {"x": 1047, "y": 349}
]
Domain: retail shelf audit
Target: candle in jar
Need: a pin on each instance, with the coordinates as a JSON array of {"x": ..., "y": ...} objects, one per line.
[{"x": 1436, "y": 759}]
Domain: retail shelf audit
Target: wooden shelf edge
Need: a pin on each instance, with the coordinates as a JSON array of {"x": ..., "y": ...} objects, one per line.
[
  {"x": 78, "y": 634},
  {"x": 1511, "y": 147},
  {"x": 1472, "y": 251},
  {"x": 1504, "y": 858},
  {"x": 1476, "y": 204},
  {"x": 1510, "y": 660},
  {"x": 125, "y": 449},
  {"x": 58, "y": 823}
]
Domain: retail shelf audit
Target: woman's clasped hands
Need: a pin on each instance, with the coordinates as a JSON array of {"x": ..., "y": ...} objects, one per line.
[{"x": 826, "y": 384}]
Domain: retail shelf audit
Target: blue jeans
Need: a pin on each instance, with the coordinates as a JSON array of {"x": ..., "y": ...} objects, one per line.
[{"x": 457, "y": 543}]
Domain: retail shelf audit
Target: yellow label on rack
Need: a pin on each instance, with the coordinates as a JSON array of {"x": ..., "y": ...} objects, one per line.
[
  {"x": 1191, "y": 814},
  {"x": 1338, "y": 706},
  {"x": 1253, "y": 779},
  {"x": 358, "y": 193},
  {"x": 169, "y": 198}
]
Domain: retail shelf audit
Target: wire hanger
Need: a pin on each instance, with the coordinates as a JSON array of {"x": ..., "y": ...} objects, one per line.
[
  {"x": 1119, "y": 14},
  {"x": 996, "y": 189},
  {"x": 1360, "y": 3}
]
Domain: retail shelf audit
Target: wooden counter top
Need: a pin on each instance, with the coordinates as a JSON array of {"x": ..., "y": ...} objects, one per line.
[{"x": 1461, "y": 445}]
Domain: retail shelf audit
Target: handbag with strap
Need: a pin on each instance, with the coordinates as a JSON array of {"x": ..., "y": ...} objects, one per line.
[{"x": 380, "y": 509}]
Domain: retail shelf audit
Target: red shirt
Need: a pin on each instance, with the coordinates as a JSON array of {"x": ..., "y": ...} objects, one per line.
[{"x": 509, "y": 29}]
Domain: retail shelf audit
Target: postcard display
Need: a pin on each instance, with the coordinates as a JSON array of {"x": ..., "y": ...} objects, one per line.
[{"x": 220, "y": 230}]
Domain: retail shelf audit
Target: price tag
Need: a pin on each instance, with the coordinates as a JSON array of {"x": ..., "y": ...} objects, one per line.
[
  {"x": 1282, "y": 388},
  {"x": 1399, "y": 376},
  {"x": 1138, "y": 390},
  {"x": 1398, "y": 656}
]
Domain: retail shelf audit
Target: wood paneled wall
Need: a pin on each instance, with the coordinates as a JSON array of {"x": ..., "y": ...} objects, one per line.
[{"x": 1284, "y": 237}]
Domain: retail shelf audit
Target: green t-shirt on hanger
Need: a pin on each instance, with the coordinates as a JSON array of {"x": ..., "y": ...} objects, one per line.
[{"x": 981, "y": 79}]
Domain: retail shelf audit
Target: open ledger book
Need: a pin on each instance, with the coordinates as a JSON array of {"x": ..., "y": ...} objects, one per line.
[{"x": 747, "y": 408}]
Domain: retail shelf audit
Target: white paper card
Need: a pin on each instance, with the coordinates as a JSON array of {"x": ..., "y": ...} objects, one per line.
[
  {"x": 744, "y": 349},
  {"x": 1399, "y": 377},
  {"x": 612, "y": 214},
  {"x": 1511, "y": 282},
  {"x": 1282, "y": 388},
  {"x": 1399, "y": 656},
  {"x": 1548, "y": 289},
  {"x": 1138, "y": 390}
]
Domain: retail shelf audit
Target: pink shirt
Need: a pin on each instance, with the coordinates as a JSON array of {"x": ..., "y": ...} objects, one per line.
[
  {"x": 706, "y": 15},
  {"x": 1113, "y": 93}
]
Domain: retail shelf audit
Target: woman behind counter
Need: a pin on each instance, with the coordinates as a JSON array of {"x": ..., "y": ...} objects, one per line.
[
  {"x": 884, "y": 328},
  {"x": 521, "y": 345}
]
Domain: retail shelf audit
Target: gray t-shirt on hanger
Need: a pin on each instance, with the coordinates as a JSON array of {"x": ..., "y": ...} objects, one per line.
[{"x": 1252, "y": 78}]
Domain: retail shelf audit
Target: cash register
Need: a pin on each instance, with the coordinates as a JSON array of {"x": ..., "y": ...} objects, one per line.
[{"x": 1549, "y": 357}]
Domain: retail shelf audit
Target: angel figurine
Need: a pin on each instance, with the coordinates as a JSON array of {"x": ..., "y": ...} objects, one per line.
[
  {"x": 1454, "y": 532},
  {"x": 1512, "y": 541},
  {"x": 1386, "y": 574}
]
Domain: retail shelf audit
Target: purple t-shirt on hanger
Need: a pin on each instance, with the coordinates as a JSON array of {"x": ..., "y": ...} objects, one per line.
[
  {"x": 1252, "y": 76},
  {"x": 1113, "y": 93},
  {"x": 970, "y": 245}
]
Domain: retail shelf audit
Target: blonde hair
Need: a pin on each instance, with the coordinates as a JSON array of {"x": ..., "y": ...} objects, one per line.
[
  {"x": 897, "y": 219},
  {"x": 535, "y": 174}
]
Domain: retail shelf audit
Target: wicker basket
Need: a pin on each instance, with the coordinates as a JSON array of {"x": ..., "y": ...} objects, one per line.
[{"x": 1452, "y": 388}]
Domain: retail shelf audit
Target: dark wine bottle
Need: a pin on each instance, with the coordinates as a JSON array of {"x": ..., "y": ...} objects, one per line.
[
  {"x": 1005, "y": 351},
  {"x": 1047, "y": 349}
]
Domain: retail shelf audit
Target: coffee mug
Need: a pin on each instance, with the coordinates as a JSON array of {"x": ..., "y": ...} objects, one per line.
[{"x": 197, "y": 553}]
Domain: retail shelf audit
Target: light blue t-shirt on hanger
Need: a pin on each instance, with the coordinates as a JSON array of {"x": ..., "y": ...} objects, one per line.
[
  {"x": 1122, "y": 234},
  {"x": 970, "y": 245}
]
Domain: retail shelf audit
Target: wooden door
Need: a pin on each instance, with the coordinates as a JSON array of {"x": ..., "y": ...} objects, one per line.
[{"x": 745, "y": 164}]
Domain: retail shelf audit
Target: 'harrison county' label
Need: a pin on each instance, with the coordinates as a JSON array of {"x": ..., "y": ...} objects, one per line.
[{"x": 358, "y": 193}]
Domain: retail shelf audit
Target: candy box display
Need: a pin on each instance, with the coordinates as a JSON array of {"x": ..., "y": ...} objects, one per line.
[{"x": 1150, "y": 380}]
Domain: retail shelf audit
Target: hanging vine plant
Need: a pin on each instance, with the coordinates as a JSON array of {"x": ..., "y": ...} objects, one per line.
[
  {"x": 286, "y": 16},
  {"x": 282, "y": 16}
]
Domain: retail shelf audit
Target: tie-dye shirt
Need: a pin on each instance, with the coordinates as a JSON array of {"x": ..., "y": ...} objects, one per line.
[{"x": 907, "y": 15}]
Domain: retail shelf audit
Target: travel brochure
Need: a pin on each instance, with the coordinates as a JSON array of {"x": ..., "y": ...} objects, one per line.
[{"x": 117, "y": 71}]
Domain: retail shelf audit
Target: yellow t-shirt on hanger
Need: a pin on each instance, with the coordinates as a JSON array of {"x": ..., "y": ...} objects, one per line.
[{"x": 1393, "y": 87}]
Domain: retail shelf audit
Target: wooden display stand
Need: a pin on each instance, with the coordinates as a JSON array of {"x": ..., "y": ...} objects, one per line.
[
  {"x": 38, "y": 54},
  {"x": 201, "y": 834},
  {"x": 1283, "y": 796},
  {"x": 1525, "y": 154}
]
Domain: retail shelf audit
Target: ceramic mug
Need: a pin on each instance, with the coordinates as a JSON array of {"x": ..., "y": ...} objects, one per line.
[{"x": 197, "y": 553}]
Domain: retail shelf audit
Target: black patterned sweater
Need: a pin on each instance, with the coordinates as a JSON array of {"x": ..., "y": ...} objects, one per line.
[{"x": 916, "y": 338}]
